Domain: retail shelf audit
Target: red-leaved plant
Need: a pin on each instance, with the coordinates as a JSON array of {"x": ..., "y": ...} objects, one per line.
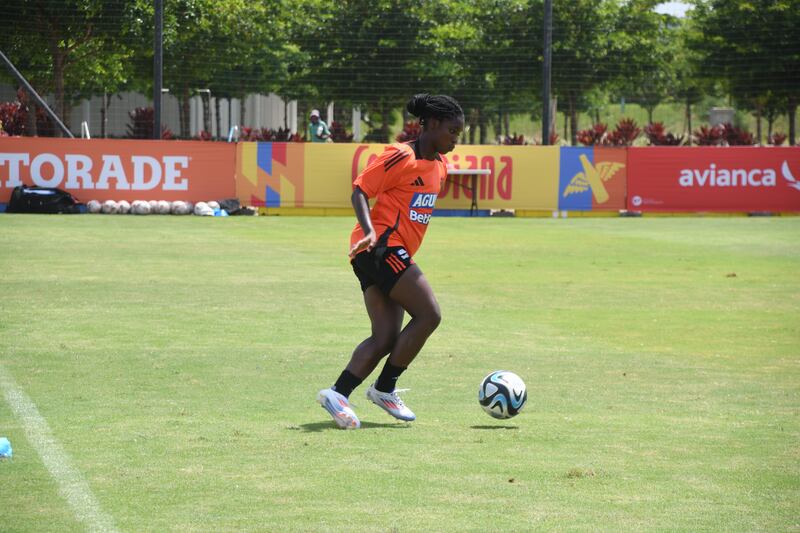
[
  {"x": 203, "y": 136},
  {"x": 734, "y": 136},
  {"x": 269, "y": 135},
  {"x": 141, "y": 125},
  {"x": 514, "y": 139},
  {"x": 657, "y": 135},
  {"x": 45, "y": 127},
  {"x": 624, "y": 134},
  {"x": 339, "y": 134},
  {"x": 776, "y": 139},
  {"x": 708, "y": 136},
  {"x": 411, "y": 131},
  {"x": 12, "y": 118},
  {"x": 594, "y": 135}
]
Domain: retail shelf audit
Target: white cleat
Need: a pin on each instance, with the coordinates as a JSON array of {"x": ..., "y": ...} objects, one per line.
[
  {"x": 338, "y": 407},
  {"x": 391, "y": 403}
]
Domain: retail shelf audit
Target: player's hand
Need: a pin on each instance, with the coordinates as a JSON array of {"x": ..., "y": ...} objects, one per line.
[{"x": 365, "y": 243}]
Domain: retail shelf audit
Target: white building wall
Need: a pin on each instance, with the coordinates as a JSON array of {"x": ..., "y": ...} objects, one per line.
[
  {"x": 293, "y": 116},
  {"x": 261, "y": 111}
]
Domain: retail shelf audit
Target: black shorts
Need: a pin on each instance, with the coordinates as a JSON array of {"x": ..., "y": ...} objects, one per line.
[{"x": 383, "y": 271}]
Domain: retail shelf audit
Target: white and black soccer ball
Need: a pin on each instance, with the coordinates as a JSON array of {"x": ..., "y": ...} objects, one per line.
[
  {"x": 164, "y": 207},
  {"x": 110, "y": 207},
  {"x": 93, "y": 206},
  {"x": 502, "y": 394},
  {"x": 202, "y": 209},
  {"x": 123, "y": 207},
  {"x": 140, "y": 207},
  {"x": 179, "y": 208}
]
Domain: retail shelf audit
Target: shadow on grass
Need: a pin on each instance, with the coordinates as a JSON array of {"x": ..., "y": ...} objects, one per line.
[
  {"x": 494, "y": 427},
  {"x": 314, "y": 427}
]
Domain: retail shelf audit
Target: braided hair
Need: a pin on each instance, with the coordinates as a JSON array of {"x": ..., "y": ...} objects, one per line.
[{"x": 440, "y": 107}]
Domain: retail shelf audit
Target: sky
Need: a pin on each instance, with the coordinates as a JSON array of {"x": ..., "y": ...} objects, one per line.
[{"x": 677, "y": 9}]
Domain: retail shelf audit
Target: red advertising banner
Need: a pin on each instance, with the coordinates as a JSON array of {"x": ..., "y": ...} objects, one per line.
[
  {"x": 714, "y": 179},
  {"x": 103, "y": 169}
]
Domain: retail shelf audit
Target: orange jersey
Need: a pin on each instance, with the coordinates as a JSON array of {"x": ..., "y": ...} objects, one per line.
[{"x": 405, "y": 188}]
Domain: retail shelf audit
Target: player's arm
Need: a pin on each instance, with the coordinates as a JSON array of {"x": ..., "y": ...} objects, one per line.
[{"x": 361, "y": 207}]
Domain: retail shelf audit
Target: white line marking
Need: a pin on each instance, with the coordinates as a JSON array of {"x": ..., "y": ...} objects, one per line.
[{"x": 71, "y": 484}]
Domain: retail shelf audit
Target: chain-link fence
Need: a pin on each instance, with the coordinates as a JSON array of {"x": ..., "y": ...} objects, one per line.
[{"x": 255, "y": 70}]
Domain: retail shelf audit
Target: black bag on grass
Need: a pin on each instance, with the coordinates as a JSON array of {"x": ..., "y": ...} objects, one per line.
[
  {"x": 233, "y": 208},
  {"x": 48, "y": 200}
]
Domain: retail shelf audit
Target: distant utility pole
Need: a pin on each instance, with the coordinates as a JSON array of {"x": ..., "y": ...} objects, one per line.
[
  {"x": 546, "y": 68},
  {"x": 158, "y": 67}
]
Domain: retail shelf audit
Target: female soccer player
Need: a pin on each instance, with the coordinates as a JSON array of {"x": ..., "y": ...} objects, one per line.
[{"x": 405, "y": 181}]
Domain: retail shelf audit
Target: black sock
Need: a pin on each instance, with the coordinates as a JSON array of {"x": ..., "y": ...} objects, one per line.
[
  {"x": 346, "y": 383},
  {"x": 388, "y": 378}
]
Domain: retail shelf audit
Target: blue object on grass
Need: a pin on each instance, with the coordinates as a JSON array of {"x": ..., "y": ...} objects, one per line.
[{"x": 5, "y": 447}]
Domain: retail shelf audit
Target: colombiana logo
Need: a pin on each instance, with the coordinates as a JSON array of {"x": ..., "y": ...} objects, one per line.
[
  {"x": 593, "y": 177},
  {"x": 421, "y": 207}
]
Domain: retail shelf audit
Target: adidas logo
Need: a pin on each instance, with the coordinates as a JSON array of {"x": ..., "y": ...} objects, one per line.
[{"x": 418, "y": 182}]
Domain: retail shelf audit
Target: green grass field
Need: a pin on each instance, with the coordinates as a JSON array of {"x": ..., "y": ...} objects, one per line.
[{"x": 175, "y": 363}]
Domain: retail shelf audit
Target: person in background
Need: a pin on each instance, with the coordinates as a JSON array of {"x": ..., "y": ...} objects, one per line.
[{"x": 318, "y": 131}]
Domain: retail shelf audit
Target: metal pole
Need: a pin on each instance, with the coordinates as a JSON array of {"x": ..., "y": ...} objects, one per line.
[
  {"x": 32, "y": 92},
  {"x": 546, "y": 69},
  {"x": 158, "y": 64}
]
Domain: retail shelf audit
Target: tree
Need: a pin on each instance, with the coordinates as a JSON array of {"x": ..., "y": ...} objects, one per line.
[
  {"x": 76, "y": 54},
  {"x": 361, "y": 52},
  {"x": 645, "y": 41},
  {"x": 503, "y": 61},
  {"x": 211, "y": 47},
  {"x": 583, "y": 51},
  {"x": 251, "y": 50},
  {"x": 690, "y": 84},
  {"x": 753, "y": 46}
]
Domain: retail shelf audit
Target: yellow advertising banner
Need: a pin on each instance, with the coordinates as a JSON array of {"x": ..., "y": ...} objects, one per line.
[
  {"x": 520, "y": 177},
  {"x": 321, "y": 175},
  {"x": 329, "y": 179}
]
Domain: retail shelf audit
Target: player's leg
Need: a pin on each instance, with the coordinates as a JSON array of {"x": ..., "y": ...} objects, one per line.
[
  {"x": 413, "y": 293},
  {"x": 386, "y": 318}
]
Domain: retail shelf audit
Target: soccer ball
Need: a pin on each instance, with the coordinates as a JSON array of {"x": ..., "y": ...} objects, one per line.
[
  {"x": 140, "y": 207},
  {"x": 163, "y": 207},
  {"x": 93, "y": 206},
  {"x": 179, "y": 208},
  {"x": 202, "y": 209},
  {"x": 110, "y": 207},
  {"x": 502, "y": 394}
]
